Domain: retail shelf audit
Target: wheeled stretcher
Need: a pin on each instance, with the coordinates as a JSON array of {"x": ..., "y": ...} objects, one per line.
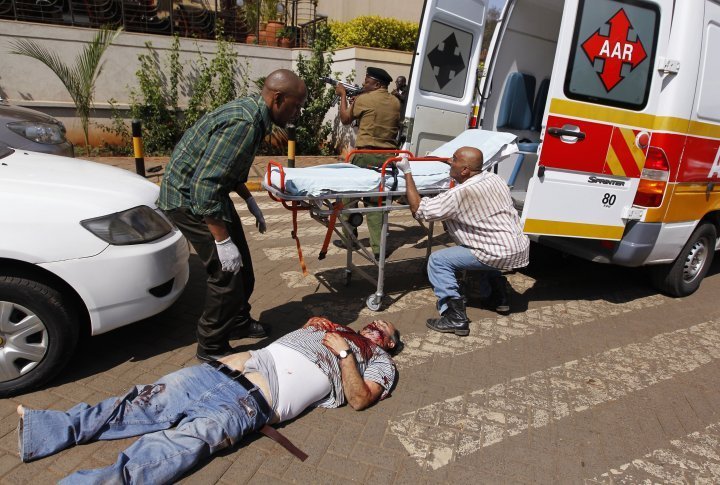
[
  {"x": 336, "y": 206},
  {"x": 331, "y": 195}
]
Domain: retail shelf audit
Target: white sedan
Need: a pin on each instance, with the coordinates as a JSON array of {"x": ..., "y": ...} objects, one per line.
[{"x": 83, "y": 248}]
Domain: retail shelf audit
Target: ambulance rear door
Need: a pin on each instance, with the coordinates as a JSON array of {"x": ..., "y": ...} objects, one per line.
[
  {"x": 603, "y": 96},
  {"x": 444, "y": 72}
]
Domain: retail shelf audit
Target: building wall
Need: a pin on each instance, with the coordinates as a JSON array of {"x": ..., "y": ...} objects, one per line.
[
  {"x": 344, "y": 10},
  {"x": 27, "y": 82}
]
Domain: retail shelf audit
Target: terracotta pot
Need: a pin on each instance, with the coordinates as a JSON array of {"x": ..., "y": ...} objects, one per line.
[
  {"x": 285, "y": 42},
  {"x": 262, "y": 37},
  {"x": 272, "y": 29},
  {"x": 251, "y": 39}
]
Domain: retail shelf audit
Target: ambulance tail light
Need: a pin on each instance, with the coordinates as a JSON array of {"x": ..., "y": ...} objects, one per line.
[
  {"x": 653, "y": 179},
  {"x": 474, "y": 118}
]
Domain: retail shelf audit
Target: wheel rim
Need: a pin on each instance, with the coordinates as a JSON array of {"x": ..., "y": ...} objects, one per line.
[
  {"x": 695, "y": 260},
  {"x": 23, "y": 340}
]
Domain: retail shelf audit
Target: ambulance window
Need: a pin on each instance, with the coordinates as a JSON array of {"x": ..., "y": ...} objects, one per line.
[
  {"x": 709, "y": 102},
  {"x": 444, "y": 69},
  {"x": 613, "y": 53}
]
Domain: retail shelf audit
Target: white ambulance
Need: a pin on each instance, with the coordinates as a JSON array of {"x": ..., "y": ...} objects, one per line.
[{"x": 616, "y": 104}]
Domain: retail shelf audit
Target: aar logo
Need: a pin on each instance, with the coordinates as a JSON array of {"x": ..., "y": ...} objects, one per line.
[{"x": 615, "y": 50}]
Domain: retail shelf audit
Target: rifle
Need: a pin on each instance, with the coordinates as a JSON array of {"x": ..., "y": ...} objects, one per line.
[{"x": 352, "y": 90}]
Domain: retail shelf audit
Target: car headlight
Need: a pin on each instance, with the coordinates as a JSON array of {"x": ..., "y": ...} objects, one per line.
[
  {"x": 134, "y": 226},
  {"x": 47, "y": 133}
]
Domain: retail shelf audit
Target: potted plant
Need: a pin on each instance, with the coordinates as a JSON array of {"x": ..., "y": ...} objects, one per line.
[
  {"x": 270, "y": 13},
  {"x": 251, "y": 12},
  {"x": 286, "y": 36}
]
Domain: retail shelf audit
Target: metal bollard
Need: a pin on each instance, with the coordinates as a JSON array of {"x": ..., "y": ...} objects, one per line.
[
  {"x": 138, "y": 147},
  {"x": 291, "y": 131}
]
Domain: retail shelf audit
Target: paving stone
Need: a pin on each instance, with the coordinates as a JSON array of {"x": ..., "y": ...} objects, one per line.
[
  {"x": 300, "y": 473},
  {"x": 245, "y": 462},
  {"x": 343, "y": 466},
  {"x": 208, "y": 472},
  {"x": 7, "y": 463}
]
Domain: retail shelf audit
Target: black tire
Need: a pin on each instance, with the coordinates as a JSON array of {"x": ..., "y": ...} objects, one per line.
[
  {"x": 684, "y": 275},
  {"x": 51, "y": 340}
]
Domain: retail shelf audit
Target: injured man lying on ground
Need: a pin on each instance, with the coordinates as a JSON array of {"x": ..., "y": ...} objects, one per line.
[{"x": 190, "y": 414}]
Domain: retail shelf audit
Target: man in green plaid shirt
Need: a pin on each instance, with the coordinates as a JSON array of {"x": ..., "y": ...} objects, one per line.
[{"x": 211, "y": 160}]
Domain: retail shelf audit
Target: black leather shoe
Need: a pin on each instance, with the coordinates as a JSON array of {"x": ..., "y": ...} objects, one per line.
[
  {"x": 500, "y": 298},
  {"x": 248, "y": 328},
  {"x": 210, "y": 355},
  {"x": 454, "y": 320}
]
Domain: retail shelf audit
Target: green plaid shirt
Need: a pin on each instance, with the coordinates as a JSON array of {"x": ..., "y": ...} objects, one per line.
[{"x": 213, "y": 157}]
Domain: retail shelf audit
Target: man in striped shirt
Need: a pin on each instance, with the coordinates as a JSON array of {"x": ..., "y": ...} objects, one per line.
[
  {"x": 188, "y": 415},
  {"x": 213, "y": 159},
  {"x": 479, "y": 216}
]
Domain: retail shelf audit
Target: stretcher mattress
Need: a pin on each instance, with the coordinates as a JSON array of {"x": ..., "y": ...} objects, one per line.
[
  {"x": 495, "y": 145},
  {"x": 335, "y": 178}
]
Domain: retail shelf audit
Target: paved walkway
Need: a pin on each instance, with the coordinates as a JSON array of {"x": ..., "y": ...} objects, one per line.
[{"x": 593, "y": 378}]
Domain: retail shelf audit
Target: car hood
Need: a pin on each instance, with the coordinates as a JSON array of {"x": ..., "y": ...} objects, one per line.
[
  {"x": 95, "y": 189},
  {"x": 17, "y": 113},
  {"x": 44, "y": 198}
]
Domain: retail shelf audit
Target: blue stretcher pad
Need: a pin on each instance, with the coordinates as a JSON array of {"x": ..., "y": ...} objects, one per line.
[{"x": 335, "y": 178}]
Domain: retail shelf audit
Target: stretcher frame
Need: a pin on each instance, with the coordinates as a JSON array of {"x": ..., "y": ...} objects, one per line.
[{"x": 329, "y": 209}]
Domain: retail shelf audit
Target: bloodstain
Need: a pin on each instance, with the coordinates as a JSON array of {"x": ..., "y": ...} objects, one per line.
[
  {"x": 244, "y": 402},
  {"x": 365, "y": 345},
  {"x": 148, "y": 392}
]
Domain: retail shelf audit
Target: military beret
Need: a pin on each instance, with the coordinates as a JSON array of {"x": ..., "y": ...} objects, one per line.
[{"x": 379, "y": 74}]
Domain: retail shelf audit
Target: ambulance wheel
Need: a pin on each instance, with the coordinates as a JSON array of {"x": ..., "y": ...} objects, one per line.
[
  {"x": 684, "y": 276},
  {"x": 373, "y": 302}
]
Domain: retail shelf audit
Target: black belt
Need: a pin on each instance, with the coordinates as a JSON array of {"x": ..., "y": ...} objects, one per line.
[
  {"x": 267, "y": 430},
  {"x": 238, "y": 377}
]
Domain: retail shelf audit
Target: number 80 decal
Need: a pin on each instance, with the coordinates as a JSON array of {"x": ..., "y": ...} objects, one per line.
[{"x": 608, "y": 200}]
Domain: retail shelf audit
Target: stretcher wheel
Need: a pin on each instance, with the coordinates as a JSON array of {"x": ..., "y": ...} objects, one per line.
[{"x": 373, "y": 302}]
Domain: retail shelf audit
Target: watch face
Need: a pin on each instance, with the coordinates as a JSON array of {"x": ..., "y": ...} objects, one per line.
[{"x": 344, "y": 353}]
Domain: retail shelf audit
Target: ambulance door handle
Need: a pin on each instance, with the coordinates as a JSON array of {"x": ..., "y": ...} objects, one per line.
[{"x": 564, "y": 131}]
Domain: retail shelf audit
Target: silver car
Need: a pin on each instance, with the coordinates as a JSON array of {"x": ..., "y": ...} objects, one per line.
[{"x": 27, "y": 129}]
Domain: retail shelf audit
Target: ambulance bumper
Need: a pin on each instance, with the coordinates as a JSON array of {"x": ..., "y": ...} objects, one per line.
[{"x": 632, "y": 250}]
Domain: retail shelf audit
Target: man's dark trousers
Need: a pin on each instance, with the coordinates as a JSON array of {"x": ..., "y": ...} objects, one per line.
[{"x": 227, "y": 294}]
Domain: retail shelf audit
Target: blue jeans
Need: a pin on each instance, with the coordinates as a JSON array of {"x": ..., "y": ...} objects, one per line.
[
  {"x": 441, "y": 271},
  {"x": 208, "y": 410}
]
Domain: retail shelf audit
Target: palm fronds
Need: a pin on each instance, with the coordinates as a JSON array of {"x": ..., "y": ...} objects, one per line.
[{"x": 79, "y": 79}]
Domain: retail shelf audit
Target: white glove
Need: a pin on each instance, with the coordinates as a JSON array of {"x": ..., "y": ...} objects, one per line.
[
  {"x": 404, "y": 164},
  {"x": 229, "y": 255},
  {"x": 255, "y": 210}
]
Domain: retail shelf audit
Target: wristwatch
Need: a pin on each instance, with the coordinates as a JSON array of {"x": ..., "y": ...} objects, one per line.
[{"x": 344, "y": 353}]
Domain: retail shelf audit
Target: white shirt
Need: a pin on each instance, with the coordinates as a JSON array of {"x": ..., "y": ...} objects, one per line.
[{"x": 479, "y": 215}]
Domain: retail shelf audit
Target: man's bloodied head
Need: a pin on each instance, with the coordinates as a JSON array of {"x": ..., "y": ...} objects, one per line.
[{"x": 382, "y": 333}]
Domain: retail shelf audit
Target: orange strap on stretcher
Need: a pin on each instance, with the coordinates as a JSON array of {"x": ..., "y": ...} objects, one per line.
[
  {"x": 331, "y": 226},
  {"x": 294, "y": 235}
]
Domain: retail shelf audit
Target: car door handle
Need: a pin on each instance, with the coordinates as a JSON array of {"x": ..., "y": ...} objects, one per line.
[{"x": 559, "y": 132}]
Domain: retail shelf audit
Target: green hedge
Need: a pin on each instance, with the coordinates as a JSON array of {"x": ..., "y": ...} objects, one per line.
[{"x": 375, "y": 31}]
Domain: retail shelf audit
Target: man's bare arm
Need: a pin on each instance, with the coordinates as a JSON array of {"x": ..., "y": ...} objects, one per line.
[
  {"x": 360, "y": 393},
  {"x": 217, "y": 228},
  {"x": 243, "y": 191},
  {"x": 343, "y": 106}
]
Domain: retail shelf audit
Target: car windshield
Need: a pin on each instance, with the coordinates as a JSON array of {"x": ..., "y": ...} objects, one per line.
[{"x": 5, "y": 150}]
